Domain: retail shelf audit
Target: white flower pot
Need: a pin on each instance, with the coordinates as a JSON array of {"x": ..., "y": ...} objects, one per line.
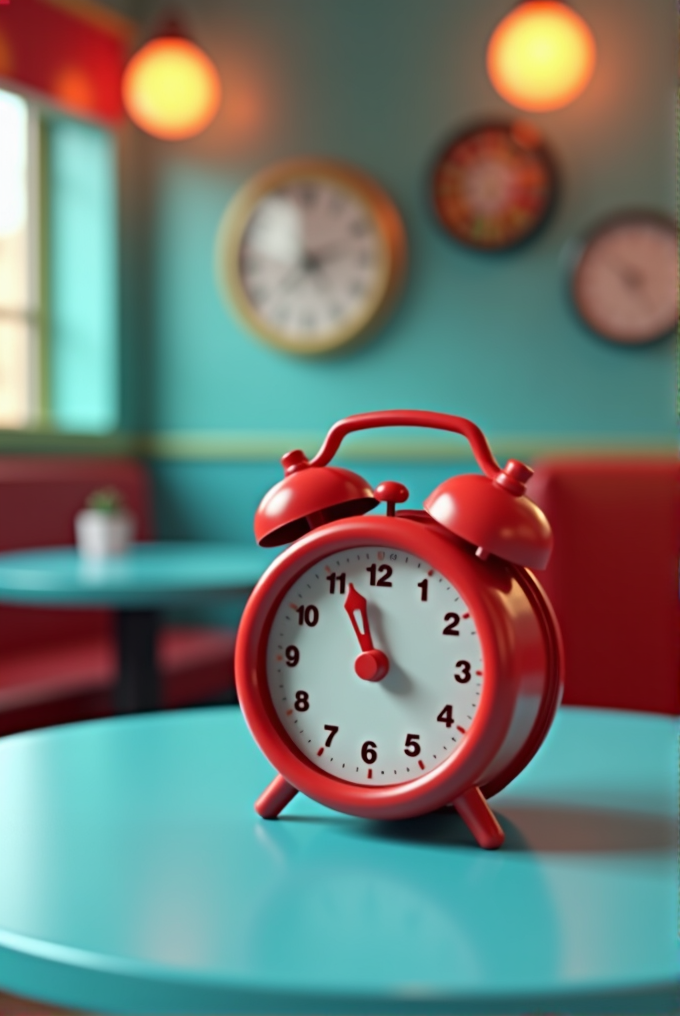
[{"x": 103, "y": 534}]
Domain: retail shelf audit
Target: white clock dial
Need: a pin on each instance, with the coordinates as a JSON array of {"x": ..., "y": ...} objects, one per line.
[
  {"x": 387, "y": 731},
  {"x": 310, "y": 259},
  {"x": 312, "y": 252},
  {"x": 626, "y": 281}
]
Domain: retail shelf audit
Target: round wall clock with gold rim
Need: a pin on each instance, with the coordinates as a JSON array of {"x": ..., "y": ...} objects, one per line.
[{"x": 311, "y": 253}]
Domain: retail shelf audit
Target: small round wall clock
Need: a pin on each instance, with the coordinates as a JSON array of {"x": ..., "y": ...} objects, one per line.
[
  {"x": 625, "y": 281},
  {"x": 390, "y": 666},
  {"x": 312, "y": 254},
  {"x": 493, "y": 186}
]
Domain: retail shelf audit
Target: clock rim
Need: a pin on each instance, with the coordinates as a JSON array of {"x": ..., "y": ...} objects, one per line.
[
  {"x": 580, "y": 247},
  {"x": 379, "y": 205},
  {"x": 548, "y": 160},
  {"x": 495, "y": 710}
]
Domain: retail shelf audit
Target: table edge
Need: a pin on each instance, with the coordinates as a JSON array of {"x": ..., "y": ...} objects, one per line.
[{"x": 116, "y": 978}]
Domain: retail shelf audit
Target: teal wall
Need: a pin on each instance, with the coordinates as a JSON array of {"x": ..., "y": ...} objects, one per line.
[{"x": 383, "y": 83}]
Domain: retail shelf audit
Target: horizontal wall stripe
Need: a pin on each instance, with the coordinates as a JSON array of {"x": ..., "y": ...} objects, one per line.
[
  {"x": 265, "y": 446},
  {"x": 43, "y": 441},
  {"x": 268, "y": 446}
]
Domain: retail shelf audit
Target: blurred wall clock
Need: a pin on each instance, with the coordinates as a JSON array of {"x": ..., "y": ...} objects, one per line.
[
  {"x": 494, "y": 185},
  {"x": 312, "y": 254},
  {"x": 625, "y": 280}
]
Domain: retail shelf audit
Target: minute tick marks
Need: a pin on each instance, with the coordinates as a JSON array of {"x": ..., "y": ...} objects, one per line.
[{"x": 353, "y": 714}]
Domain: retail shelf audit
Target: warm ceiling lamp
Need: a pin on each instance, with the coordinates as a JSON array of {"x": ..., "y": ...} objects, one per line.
[
  {"x": 171, "y": 89},
  {"x": 541, "y": 56}
]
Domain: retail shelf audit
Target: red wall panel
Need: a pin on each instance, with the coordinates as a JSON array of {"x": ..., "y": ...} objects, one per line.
[
  {"x": 74, "y": 61},
  {"x": 613, "y": 578}
]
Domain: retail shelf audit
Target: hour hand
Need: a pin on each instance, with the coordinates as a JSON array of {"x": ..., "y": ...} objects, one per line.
[
  {"x": 355, "y": 605},
  {"x": 371, "y": 664}
]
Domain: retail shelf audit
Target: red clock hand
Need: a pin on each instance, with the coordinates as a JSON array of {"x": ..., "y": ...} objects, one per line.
[
  {"x": 356, "y": 604},
  {"x": 371, "y": 664}
]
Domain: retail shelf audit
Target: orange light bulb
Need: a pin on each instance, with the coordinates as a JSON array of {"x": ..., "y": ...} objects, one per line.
[
  {"x": 171, "y": 89},
  {"x": 541, "y": 56}
]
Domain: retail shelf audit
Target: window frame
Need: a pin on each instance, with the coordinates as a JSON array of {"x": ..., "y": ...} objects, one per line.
[
  {"x": 32, "y": 314},
  {"x": 42, "y": 432}
]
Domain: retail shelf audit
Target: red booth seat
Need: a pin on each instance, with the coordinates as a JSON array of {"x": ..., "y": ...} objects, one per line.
[
  {"x": 59, "y": 665},
  {"x": 613, "y": 578}
]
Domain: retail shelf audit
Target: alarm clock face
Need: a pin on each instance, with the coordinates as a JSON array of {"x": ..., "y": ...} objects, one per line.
[{"x": 386, "y": 731}]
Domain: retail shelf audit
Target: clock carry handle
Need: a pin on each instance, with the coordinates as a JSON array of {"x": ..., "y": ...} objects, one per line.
[
  {"x": 409, "y": 418},
  {"x": 491, "y": 512}
]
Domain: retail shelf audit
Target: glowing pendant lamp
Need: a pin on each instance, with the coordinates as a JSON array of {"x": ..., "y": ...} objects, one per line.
[
  {"x": 541, "y": 55},
  {"x": 171, "y": 89}
]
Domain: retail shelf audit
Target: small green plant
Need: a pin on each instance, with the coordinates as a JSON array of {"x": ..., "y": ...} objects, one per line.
[{"x": 105, "y": 499}]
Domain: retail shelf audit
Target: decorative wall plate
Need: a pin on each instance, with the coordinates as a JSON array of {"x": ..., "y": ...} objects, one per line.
[
  {"x": 311, "y": 253},
  {"x": 494, "y": 185},
  {"x": 625, "y": 281}
]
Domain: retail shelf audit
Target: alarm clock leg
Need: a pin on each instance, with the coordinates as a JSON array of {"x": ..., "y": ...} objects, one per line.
[
  {"x": 478, "y": 817},
  {"x": 278, "y": 794}
]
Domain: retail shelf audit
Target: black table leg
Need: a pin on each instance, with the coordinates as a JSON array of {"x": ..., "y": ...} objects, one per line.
[{"x": 138, "y": 686}]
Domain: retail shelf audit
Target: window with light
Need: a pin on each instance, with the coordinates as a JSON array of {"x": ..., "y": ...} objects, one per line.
[{"x": 58, "y": 271}]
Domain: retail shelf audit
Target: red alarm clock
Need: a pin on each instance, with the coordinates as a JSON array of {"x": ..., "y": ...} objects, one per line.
[{"x": 390, "y": 666}]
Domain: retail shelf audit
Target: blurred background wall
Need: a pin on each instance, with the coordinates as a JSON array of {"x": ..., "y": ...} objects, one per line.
[{"x": 383, "y": 84}]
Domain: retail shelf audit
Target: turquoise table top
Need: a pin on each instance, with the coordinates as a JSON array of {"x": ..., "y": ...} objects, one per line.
[
  {"x": 150, "y": 574},
  {"x": 135, "y": 877}
]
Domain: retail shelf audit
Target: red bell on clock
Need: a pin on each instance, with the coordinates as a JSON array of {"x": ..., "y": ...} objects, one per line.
[
  {"x": 305, "y": 498},
  {"x": 494, "y": 515},
  {"x": 391, "y": 665}
]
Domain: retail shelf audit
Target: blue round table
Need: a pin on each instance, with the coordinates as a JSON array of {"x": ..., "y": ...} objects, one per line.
[
  {"x": 137, "y": 585},
  {"x": 135, "y": 877}
]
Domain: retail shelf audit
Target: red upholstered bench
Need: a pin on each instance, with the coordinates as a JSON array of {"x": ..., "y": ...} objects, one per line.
[
  {"x": 59, "y": 665},
  {"x": 613, "y": 578}
]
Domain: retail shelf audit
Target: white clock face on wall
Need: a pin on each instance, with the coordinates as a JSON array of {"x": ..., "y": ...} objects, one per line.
[
  {"x": 375, "y": 732},
  {"x": 625, "y": 284},
  {"x": 312, "y": 254},
  {"x": 310, "y": 259}
]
